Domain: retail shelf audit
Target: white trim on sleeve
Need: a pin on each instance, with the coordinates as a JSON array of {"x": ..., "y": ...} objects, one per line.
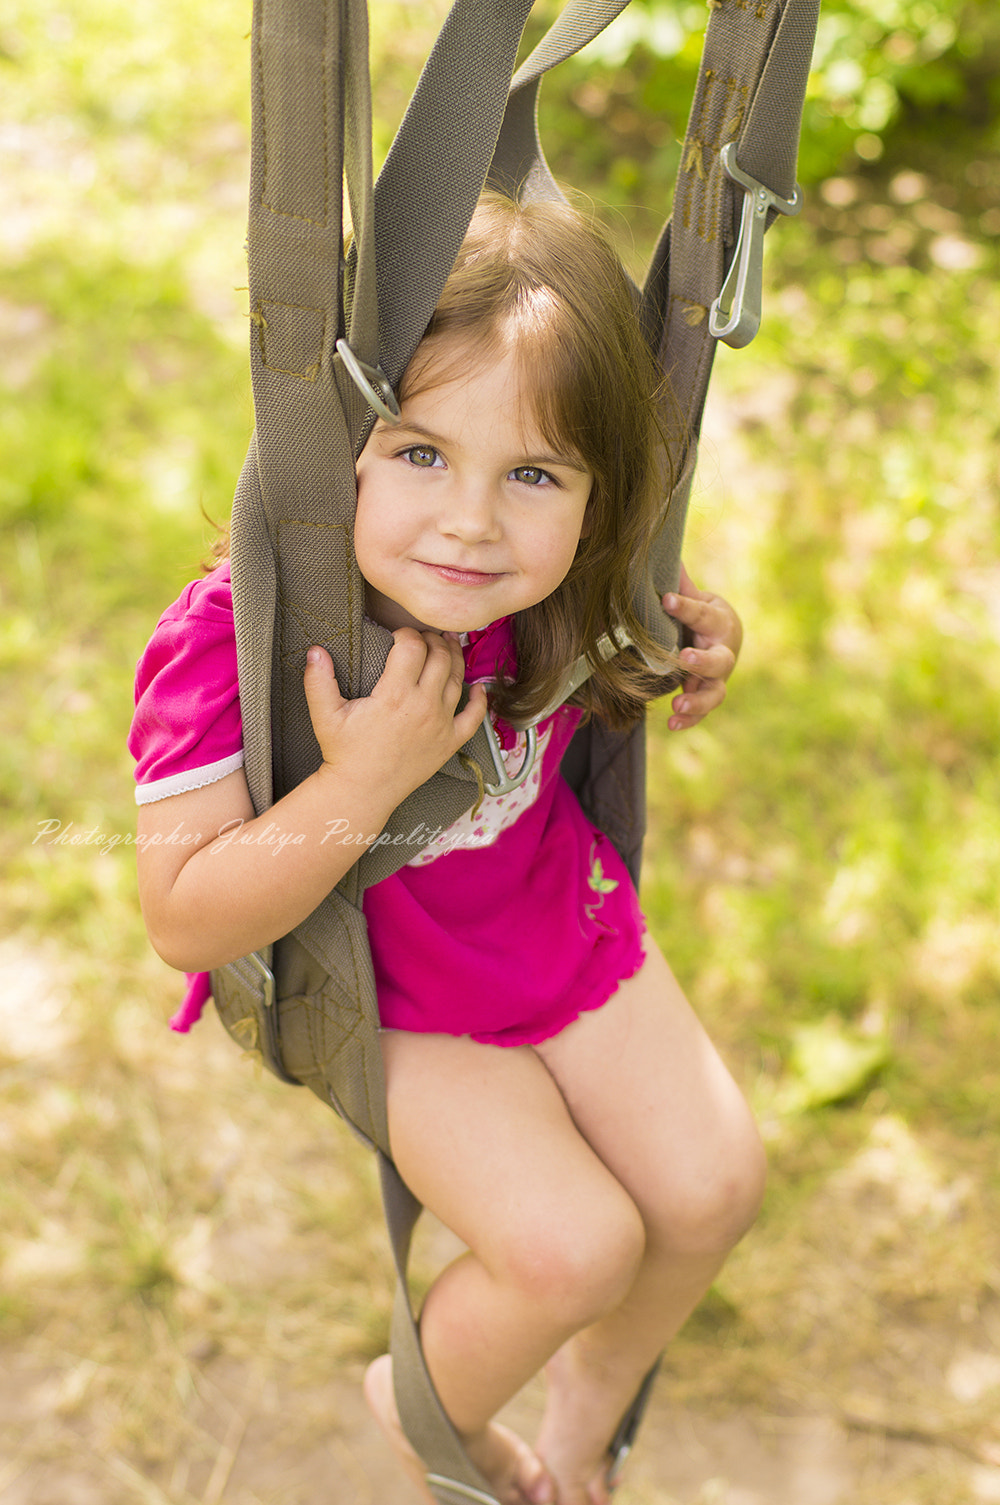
[{"x": 191, "y": 778}]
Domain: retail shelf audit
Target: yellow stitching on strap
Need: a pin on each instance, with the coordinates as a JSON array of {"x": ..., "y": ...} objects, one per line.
[
  {"x": 694, "y": 160},
  {"x": 477, "y": 772}
]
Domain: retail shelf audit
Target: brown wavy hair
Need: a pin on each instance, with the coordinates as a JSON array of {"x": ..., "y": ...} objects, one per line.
[{"x": 542, "y": 279}]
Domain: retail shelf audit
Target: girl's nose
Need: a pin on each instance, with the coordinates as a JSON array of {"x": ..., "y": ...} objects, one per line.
[{"x": 471, "y": 514}]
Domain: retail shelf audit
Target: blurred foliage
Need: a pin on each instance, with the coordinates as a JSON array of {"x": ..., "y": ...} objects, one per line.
[{"x": 884, "y": 71}]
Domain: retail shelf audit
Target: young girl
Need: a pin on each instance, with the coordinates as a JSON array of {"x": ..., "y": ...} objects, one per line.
[{"x": 551, "y": 1095}]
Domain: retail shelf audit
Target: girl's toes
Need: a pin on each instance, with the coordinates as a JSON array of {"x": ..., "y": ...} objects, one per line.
[
  {"x": 518, "y": 1473},
  {"x": 533, "y": 1478},
  {"x": 600, "y": 1490}
]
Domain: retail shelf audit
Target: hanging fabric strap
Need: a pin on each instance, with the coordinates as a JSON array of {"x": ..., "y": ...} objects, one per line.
[{"x": 330, "y": 337}]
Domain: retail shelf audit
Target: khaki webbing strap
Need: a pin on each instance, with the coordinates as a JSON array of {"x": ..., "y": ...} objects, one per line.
[
  {"x": 425, "y": 197},
  {"x": 519, "y": 167},
  {"x": 295, "y": 579},
  {"x": 750, "y": 90},
  {"x": 294, "y": 509},
  {"x": 751, "y": 86},
  {"x": 434, "y": 173},
  {"x": 423, "y": 1417}
]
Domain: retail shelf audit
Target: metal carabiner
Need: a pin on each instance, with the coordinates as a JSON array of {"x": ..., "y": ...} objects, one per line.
[
  {"x": 607, "y": 647},
  {"x": 735, "y": 314},
  {"x": 505, "y": 781},
  {"x": 372, "y": 383}
]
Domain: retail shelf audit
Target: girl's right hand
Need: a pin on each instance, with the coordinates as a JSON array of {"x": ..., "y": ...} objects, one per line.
[
  {"x": 376, "y": 750},
  {"x": 409, "y": 726}
]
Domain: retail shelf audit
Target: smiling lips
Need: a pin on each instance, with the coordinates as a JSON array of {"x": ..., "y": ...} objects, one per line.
[{"x": 462, "y": 576}]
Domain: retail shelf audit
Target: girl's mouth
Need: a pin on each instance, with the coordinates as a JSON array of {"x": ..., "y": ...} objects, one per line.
[{"x": 458, "y": 576}]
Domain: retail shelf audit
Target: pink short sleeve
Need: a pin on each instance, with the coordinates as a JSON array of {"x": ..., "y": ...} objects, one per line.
[{"x": 187, "y": 730}]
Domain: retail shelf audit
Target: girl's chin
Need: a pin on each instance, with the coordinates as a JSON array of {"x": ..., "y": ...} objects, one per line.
[{"x": 430, "y": 615}]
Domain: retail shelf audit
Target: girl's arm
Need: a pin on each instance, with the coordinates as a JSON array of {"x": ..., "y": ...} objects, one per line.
[
  {"x": 717, "y": 634},
  {"x": 217, "y": 882}
]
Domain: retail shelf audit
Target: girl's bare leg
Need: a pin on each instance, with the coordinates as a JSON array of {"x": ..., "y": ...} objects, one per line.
[
  {"x": 484, "y": 1139},
  {"x": 648, "y": 1091}
]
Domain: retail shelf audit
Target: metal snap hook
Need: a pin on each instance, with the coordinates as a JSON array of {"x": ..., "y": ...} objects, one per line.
[
  {"x": 505, "y": 782},
  {"x": 735, "y": 313},
  {"x": 372, "y": 383}
]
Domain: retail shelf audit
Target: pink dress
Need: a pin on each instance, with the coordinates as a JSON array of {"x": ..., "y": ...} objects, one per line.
[{"x": 505, "y": 927}]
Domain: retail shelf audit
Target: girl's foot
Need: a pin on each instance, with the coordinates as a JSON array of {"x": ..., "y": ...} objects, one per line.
[
  {"x": 581, "y": 1414},
  {"x": 516, "y": 1475}
]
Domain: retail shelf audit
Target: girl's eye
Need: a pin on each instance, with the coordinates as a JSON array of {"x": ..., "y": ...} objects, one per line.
[
  {"x": 422, "y": 455},
  {"x": 531, "y": 475}
]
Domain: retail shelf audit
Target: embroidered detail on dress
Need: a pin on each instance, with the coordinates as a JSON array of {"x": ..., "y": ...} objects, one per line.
[{"x": 597, "y": 883}]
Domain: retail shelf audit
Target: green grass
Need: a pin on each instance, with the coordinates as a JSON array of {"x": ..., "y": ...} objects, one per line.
[{"x": 823, "y": 857}]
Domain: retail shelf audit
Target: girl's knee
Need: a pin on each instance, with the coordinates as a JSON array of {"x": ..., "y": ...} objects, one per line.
[
  {"x": 583, "y": 1262},
  {"x": 742, "y": 1191},
  {"x": 714, "y": 1210}
]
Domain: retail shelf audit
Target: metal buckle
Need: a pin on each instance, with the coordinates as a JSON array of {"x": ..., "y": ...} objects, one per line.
[
  {"x": 270, "y": 1046},
  {"x": 623, "y": 1441},
  {"x": 505, "y": 781},
  {"x": 735, "y": 315},
  {"x": 372, "y": 383},
  {"x": 267, "y": 977},
  {"x": 613, "y": 1477}
]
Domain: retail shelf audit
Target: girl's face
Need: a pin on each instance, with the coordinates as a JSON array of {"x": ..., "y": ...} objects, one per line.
[{"x": 465, "y": 513}]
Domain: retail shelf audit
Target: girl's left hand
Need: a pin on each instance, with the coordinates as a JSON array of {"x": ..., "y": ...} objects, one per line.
[{"x": 717, "y": 635}]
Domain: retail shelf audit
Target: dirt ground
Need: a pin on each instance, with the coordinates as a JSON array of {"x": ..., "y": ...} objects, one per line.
[
  {"x": 256, "y": 1434},
  {"x": 107, "y": 1398},
  {"x": 279, "y": 1443}
]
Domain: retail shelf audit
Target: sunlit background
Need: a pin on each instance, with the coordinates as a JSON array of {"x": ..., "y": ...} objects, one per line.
[{"x": 192, "y": 1265}]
